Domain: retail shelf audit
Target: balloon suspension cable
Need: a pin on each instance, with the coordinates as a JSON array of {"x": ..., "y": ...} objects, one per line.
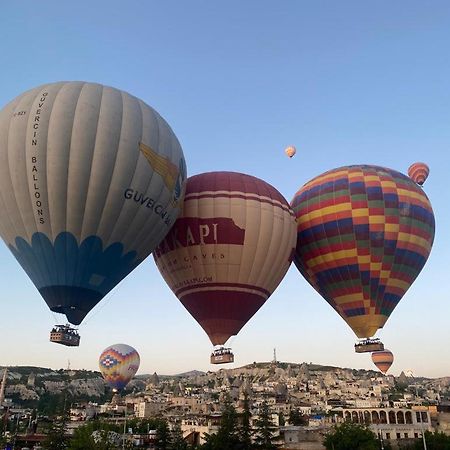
[{"x": 100, "y": 306}]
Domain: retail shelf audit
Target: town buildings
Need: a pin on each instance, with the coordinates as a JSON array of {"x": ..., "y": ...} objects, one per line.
[{"x": 396, "y": 409}]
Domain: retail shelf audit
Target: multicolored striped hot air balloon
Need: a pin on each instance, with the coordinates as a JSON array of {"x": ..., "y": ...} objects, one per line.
[
  {"x": 228, "y": 251},
  {"x": 118, "y": 365},
  {"x": 383, "y": 360},
  {"x": 418, "y": 172},
  {"x": 364, "y": 235}
]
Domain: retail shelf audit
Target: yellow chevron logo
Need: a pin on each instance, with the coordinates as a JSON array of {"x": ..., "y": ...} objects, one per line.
[
  {"x": 174, "y": 177},
  {"x": 161, "y": 165}
]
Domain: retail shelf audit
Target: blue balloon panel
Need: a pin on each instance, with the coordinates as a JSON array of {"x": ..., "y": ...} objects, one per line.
[{"x": 73, "y": 278}]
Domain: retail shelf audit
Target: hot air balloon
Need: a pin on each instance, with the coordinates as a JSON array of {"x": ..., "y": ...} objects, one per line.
[
  {"x": 227, "y": 252},
  {"x": 91, "y": 180},
  {"x": 364, "y": 235},
  {"x": 418, "y": 172},
  {"x": 383, "y": 360},
  {"x": 118, "y": 365},
  {"x": 290, "y": 151}
]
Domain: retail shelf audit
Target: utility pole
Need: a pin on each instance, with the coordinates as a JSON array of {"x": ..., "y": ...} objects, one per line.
[
  {"x": 420, "y": 413},
  {"x": 381, "y": 440},
  {"x": 124, "y": 425}
]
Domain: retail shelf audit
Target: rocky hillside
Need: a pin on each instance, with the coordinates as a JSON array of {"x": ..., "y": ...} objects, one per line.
[
  {"x": 45, "y": 389},
  {"x": 41, "y": 388}
]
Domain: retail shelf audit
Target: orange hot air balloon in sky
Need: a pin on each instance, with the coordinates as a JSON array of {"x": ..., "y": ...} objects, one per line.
[
  {"x": 228, "y": 251},
  {"x": 290, "y": 151},
  {"x": 383, "y": 360},
  {"x": 364, "y": 234},
  {"x": 418, "y": 172}
]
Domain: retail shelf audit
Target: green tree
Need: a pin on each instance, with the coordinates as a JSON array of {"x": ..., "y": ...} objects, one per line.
[
  {"x": 141, "y": 426},
  {"x": 163, "y": 437},
  {"x": 351, "y": 436},
  {"x": 264, "y": 429},
  {"x": 56, "y": 435},
  {"x": 227, "y": 437},
  {"x": 178, "y": 443},
  {"x": 245, "y": 430},
  {"x": 435, "y": 441},
  {"x": 84, "y": 440},
  {"x": 297, "y": 418},
  {"x": 83, "y": 437}
]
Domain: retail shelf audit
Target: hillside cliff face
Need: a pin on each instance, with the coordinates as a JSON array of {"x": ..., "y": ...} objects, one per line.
[
  {"x": 26, "y": 386},
  {"x": 36, "y": 387}
]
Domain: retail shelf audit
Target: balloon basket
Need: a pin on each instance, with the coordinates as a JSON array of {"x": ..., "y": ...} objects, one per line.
[
  {"x": 369, "y": 346},
  {"x": 222, "y": 356},
  {"x": 65, "y": 335}
]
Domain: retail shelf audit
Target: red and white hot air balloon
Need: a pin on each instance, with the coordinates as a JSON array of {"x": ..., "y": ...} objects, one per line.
[{"x": 227, "y": 252}]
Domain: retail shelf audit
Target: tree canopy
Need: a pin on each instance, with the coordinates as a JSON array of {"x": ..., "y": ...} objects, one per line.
[{"x": 351, "y": 436}]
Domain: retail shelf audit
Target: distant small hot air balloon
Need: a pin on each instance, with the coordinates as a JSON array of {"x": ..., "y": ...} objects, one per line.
[
  {"x": 363, "y": 235},
  {"x": 290, "y": 151},
  {"x": 118, "y": 365},
  {"x": 227, "y": 252},
  {"x": 418, "y": 172},
  {"x": 383, "y": 360}
]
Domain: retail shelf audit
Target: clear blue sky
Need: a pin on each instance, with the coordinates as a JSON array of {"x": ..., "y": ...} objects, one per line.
[{"x": 346, "y": 82}]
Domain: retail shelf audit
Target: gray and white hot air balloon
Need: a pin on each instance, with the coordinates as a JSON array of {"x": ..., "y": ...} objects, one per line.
[{"x": 91, "y": 180}]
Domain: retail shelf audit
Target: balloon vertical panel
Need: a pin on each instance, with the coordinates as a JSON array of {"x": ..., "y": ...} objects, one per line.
[
  {"x": 58, "y": 153},
  {"x": 86, "y": 204},
  {"x": 11, "y": 223}
]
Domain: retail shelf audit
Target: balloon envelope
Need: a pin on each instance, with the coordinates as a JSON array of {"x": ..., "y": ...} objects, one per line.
[
  {"x": 228, "y": 251},
  {"x": 91, "y": 180},
  {"x": 383, "y": 360},
  {"x": 418, "y": 172},
  {"x": 290, "y": 151},
  {"x": 118, "y": 364},
  {"x": 364, "y": 234}
]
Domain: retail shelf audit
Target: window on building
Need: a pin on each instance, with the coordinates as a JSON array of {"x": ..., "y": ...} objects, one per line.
[
  {"x": 406, "y": 435},
  {"x": 416, "y": 435},
  {"x": 399, "y": 436},
  {"x": 388, "y": 435}
]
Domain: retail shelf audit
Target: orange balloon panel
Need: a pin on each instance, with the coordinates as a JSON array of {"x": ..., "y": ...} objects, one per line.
[
  {"x": 383, "y": 360},
  {"x": 228, "y": 251}
]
